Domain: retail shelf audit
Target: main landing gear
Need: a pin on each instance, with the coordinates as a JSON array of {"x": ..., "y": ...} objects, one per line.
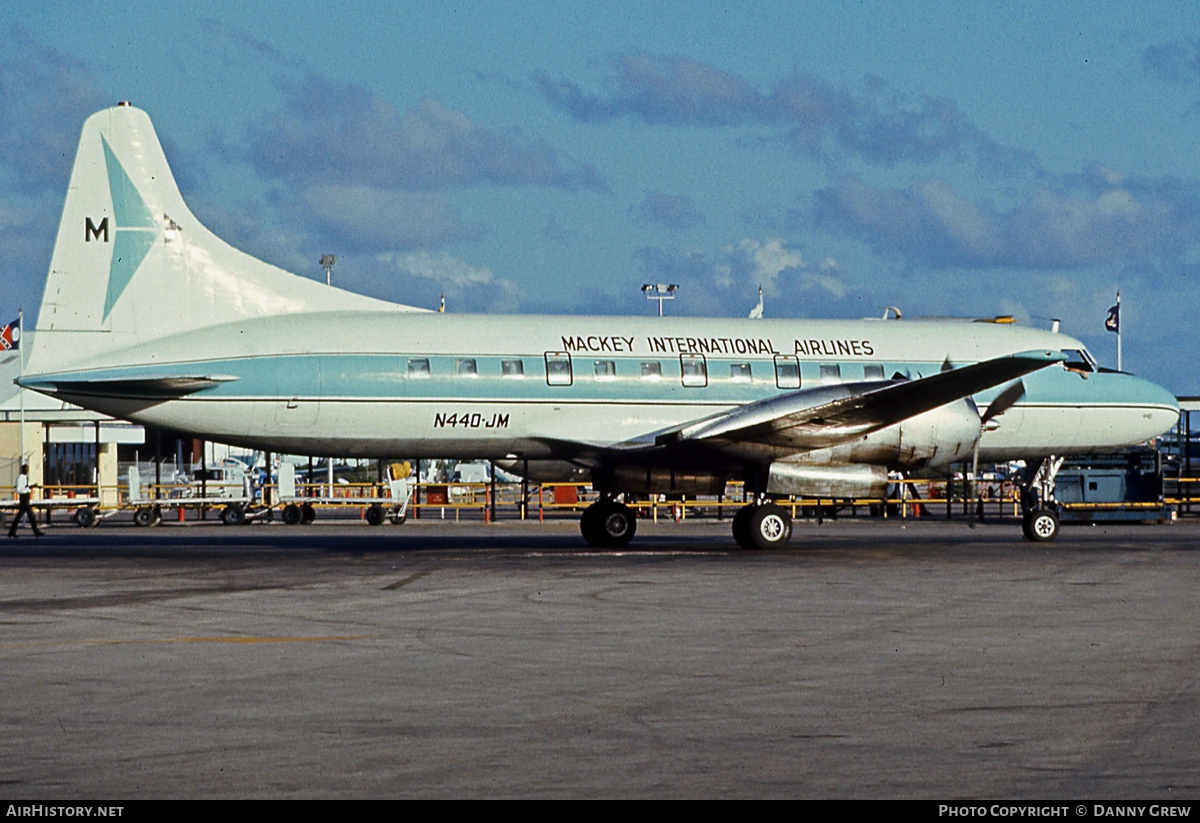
[
  {"x": 762, "y": 526},
  {"x": 607, "y": 524}
]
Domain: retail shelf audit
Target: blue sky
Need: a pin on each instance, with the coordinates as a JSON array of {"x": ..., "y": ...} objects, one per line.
[{"x": 947, "y": 158}]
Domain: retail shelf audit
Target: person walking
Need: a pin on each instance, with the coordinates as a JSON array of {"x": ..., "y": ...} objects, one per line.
[{"x": 24, "y": 491}]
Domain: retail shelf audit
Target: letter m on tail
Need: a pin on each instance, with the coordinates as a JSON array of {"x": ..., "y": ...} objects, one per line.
[{"x": 93, "y": 232}]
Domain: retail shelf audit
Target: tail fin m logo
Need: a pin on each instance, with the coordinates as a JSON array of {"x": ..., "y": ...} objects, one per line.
[
  {"x": 135, "y": 229},
  {"x": 93, "y": 232}
]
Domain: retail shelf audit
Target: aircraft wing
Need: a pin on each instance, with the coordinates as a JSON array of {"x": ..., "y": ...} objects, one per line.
[{"x": 827, "y": 416}]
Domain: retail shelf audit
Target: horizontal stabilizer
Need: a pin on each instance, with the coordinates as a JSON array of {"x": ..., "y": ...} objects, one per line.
[{"x": 154, "y": 387}]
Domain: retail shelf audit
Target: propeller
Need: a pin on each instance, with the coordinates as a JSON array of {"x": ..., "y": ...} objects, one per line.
[{"x": 1003, "y": 402}]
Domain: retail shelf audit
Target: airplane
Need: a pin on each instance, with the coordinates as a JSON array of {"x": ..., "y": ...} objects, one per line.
[{"x": 150, "y": 317}]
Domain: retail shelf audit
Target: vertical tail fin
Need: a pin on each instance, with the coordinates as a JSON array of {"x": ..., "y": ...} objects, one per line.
[{"x": 132, "y": 263}]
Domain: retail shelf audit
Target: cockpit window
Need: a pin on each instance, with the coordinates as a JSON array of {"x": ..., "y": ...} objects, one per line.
[{"x": 1079, "y": 360}]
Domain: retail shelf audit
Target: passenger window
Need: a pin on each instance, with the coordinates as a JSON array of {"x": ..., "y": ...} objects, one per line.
[
  {"x": 418, "y": 367},
  {"x": 872, "y": 371},
  {"x": 831, "y": 373},
  {"x": 739, "y": 372},
  {"x": 787, "y": 371},
  {"x": 465, "y": 367},
  {"x": 606, "y": 370},
  {"x": 512, "y": 368},
  {"x": 651, "y": 370},
  {"x": 694, "y": 370},
  {"x": 558, "y": 368}
]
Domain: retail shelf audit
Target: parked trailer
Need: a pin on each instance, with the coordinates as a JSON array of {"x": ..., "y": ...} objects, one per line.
[
  {"x": 87, "y": 512},
  {"x": 299, "y": 510},
  {"x": 235, "y": 508}
]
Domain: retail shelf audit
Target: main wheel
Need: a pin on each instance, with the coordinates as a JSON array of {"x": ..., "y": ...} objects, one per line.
[
  {"x": 619, "y": 525},
  {"x": 770, "y": 526},
  {"x": 741, "y": 528},
  {"x": 589, "y": 524},
  {"x": 292, "y": 515},
  {"x": 1041, "y": 525},
  {"x": 608, "y": 524}
]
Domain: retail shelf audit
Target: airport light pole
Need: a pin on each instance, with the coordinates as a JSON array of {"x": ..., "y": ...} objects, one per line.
[
  {"x": 660, "y": 292},
  {"x": 327, "y": 260}
]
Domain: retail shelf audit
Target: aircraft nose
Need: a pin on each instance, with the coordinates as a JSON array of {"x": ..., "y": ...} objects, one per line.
[{"x": 1157, "y": 407}]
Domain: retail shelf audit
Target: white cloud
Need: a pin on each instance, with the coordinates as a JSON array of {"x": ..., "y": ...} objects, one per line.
[
  {"x": 442, "y": 268},
  {"x": 762, "y": 261}
]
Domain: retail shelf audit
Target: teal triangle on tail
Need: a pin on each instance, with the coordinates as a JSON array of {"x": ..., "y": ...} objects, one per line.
[{"x": 132, "y": 218}]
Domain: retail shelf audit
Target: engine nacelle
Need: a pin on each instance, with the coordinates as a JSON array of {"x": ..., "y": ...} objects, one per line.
[
  {"x": 546, "y": 471},
  {"x": 662, "y": 479},
  {"x": 831, "y": 480},
  {"x": 936, "y": 438}
]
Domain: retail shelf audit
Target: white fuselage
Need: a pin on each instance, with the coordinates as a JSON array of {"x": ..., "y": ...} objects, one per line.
[{"x": 436, "y": 385}]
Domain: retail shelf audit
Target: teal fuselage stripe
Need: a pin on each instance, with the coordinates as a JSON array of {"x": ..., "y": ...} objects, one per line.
[{"x": 381, "y": 377}]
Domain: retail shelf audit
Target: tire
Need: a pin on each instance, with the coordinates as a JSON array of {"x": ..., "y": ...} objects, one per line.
[
  {"x": 233, "y": 515},
  {"x": 86, "y": 517},
  {"x": 770, "y": 526},
  {"x": 1041, "y": 525},
  {"x": 307, "y": 513},
  {"x": 397, "y": 518},
  {"x": 147, "y": 516},
  {"x": 741, "y": 528},
  {"x": 375, "y": 514},
  {"x": 589, "y": 525},
  {"x": 607, "y": 524},
  {"x": 291, "y": 515},
  {"x": 618, "y": 525}
]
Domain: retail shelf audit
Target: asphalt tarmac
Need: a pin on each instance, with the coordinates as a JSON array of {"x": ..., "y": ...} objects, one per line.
[{"x": 916, "y": 659}]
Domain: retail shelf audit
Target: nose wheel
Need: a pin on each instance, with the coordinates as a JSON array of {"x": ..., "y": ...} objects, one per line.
[{"x": 1040, "y": 525}]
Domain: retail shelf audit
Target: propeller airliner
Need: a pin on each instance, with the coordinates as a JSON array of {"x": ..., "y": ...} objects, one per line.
[{"x": 149, "y": 317}]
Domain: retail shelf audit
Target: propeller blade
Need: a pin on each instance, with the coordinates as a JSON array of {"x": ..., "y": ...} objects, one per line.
[
  {"x": 971, "y": 484},
  {"x": 1004, "y": 401}
]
